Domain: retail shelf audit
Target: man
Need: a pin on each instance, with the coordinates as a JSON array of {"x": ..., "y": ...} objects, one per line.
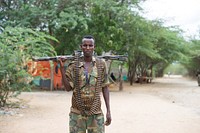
[
  {"x": 86, "y": 113},
  {"x": 198, "y": 76},
  {"x": 112, "y": 76}
]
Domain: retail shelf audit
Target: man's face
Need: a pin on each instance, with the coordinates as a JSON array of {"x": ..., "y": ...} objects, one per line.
[{"x": 87, "y": 47}]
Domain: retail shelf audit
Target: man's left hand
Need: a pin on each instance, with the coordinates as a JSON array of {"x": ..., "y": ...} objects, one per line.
[{"x": 108, "y": 119}]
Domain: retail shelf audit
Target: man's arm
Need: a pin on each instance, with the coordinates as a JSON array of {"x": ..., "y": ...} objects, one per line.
[
  {"x": 106, "y": 96},
  {"x": 64, "y": 78}
]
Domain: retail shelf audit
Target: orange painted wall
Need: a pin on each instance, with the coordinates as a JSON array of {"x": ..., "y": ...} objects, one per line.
[{"x": 42, "y": 69}]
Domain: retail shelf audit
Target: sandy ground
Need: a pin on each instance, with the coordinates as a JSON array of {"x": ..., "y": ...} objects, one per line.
[{"x": 168, "y": 105}]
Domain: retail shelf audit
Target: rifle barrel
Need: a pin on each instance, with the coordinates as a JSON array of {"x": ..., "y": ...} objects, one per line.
[{"x": 114, "y": 57}]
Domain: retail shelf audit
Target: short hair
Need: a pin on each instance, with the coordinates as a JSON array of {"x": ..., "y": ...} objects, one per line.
[{"x": 88, "y": 37}]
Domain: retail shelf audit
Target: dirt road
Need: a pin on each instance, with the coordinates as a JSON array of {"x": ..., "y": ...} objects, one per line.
[{"x": 168, "y": 105}]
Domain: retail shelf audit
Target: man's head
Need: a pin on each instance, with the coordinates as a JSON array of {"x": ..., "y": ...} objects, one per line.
[{"x": 88, "y": 45}]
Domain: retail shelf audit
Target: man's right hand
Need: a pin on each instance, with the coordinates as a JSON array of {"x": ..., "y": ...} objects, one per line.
[{"x": 61, "y": 60}]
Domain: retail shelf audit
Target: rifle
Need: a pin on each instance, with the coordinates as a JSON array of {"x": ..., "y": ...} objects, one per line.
[
  {"x": 71, "y": 57},
  {"x": 55, "y": 58}
]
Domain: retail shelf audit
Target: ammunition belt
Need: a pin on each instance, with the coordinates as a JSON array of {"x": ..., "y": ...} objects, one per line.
[
  {"x": 77, "y": 82},
  {"x": 96, "y": 102}
]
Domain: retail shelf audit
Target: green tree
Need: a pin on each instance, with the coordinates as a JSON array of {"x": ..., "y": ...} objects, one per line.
[
  {"x": 170, "y": 45},
  {"x": 192, "y": 61},
  {"x": 116, "y": 25},
  {"x": 140, "y": 46},
  {"x": 17, "y": 46}
]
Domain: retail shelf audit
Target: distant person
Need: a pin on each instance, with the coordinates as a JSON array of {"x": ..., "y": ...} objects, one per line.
[
  {"x": 124, "y": 77},
  {"x": 198, "y": 73},
  {"x": 112, "y": 76},
  {"x": 198, "y": 77}
]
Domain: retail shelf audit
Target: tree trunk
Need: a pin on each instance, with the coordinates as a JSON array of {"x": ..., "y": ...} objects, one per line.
[
  {"x": 120, "y": 78},
  {"x": 132, "y": 74}
]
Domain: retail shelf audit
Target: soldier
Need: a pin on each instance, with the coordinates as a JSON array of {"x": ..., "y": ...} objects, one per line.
[
  {"x": 86, "y": 113},
  {"x": 198, "y": 77}
]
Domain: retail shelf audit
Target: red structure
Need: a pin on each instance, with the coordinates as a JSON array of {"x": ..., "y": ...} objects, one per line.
[{"x": 47, "y": 71}]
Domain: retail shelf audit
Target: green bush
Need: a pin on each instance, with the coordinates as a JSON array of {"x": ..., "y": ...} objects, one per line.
[{"x": 17, "y": 46}]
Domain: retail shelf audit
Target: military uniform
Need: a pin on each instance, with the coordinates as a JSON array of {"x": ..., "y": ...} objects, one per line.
[
  {"x": 80, "y": 119},
  {"x": 198, "y": 77}
]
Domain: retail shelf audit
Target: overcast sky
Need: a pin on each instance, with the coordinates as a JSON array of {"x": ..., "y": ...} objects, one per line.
[{"x": 185, "y": 13}]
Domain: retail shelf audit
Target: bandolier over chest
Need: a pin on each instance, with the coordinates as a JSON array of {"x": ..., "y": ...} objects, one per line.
[{"x": 87, "y": 106}]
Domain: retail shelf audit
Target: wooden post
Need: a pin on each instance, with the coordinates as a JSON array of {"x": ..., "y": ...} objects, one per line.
[
  {"x": 109, "y": 65},
  {"x": 120, "y": 77},
  {"x": 52, "y": 75}
]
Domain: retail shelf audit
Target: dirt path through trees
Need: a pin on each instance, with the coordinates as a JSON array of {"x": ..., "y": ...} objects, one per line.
[{"x": 168, "y": 105}]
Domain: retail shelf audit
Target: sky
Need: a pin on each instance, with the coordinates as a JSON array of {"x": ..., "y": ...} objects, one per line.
[{"x": 184, "y": 13}]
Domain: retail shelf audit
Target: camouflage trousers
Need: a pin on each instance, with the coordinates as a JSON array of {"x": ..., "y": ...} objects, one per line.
[{"x": 81, "y": 124}]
